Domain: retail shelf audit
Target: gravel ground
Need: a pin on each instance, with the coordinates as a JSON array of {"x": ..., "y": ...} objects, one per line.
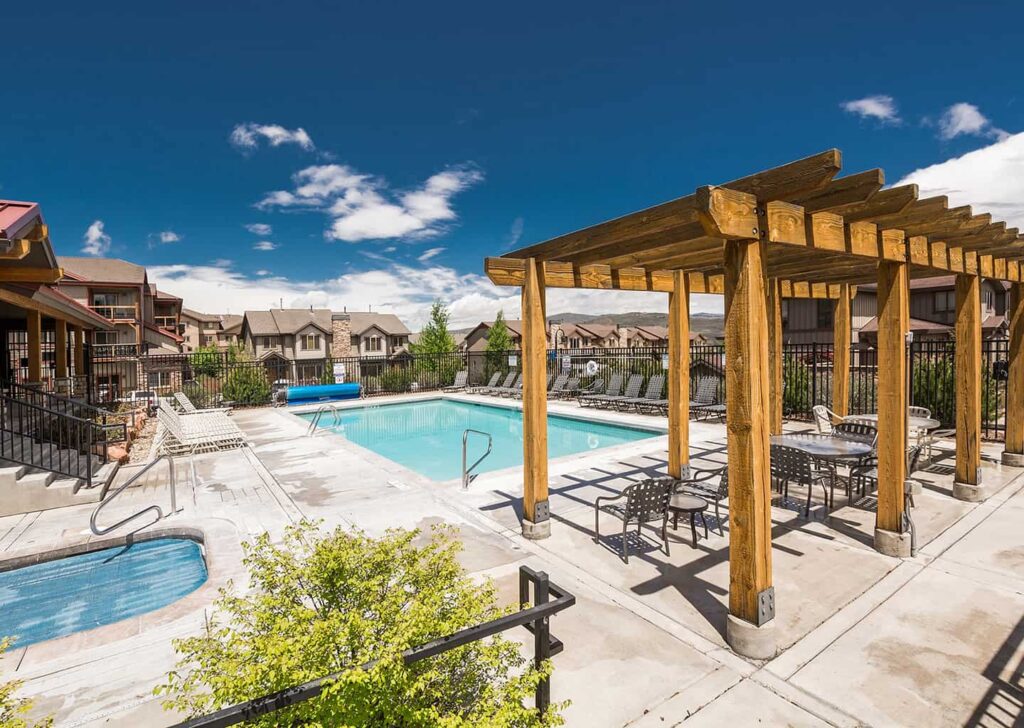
[{"x": 141, "y": 444}]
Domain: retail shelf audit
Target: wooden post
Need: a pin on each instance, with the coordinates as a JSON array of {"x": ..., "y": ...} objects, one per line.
[
  {"x": 775, "y": 353},
  {"x": 34, "y": 324},
  {"x": 79, "y": 333},
  {"x": 893, "y": 325},
  {"x": 60, "y": 344},
  {"x": 1014, "y": 452},
  {"x": 536, "y": 523},
  {"x": 679, "y": 376},
  {"x": 841, "y": 352},
  {"x": 967, "y": 484},
  {"x": 751, "y": 595}
]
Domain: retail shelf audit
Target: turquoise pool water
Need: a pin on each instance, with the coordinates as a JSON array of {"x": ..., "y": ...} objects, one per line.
[
  {"x": 426, "y": 436},
  {"x": 55, "y": 598}
]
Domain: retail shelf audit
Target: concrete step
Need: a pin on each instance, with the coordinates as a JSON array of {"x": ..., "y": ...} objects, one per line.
[{"x": 43, "y": 478}]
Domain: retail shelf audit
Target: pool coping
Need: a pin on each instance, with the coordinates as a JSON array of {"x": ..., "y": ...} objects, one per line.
[{"x": 556, "y": 466}]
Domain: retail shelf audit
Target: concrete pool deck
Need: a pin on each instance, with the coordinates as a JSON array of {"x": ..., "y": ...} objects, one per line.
[{"x": 870, "y": 640}]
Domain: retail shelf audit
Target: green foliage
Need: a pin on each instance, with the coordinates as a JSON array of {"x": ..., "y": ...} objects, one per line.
[
  {"x": 12, "y": 708},
  {"x": 207, "y": 361},
  {"x": 396, "y": 379},
  {"x": 246, "y": 384},
  {"x": 435, "y": 338},
  {"x": 934, "y": 387},
  {"x": 323, "y": 604},
  {"x": 499, "y": 340},
  {"x": 796, "y": 386},
  {"x": 327, "y": 376},
  {"x": 197, "y": 393}
]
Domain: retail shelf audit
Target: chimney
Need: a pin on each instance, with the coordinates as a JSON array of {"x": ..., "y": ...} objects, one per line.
[{"x": 341, "y": 335}]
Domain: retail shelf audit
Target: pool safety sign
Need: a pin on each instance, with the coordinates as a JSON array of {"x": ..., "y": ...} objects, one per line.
[
  {"x": 339, "y": 373},
  {"x": 513, "y": 360},
  {"x": 566, "y": 363},
  {"x": 664, "y": 361}
]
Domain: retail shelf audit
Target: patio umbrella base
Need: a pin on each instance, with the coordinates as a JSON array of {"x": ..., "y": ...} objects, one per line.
[
  {"x": 1014, "y": 459},
  {"x": 970, "y": 493},
  {"x": 749, "y": 640},
  {"x": 890, "y": 543}
]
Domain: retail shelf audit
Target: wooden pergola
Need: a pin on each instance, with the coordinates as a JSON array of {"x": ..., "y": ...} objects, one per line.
[{"x": 793, "y": 231}]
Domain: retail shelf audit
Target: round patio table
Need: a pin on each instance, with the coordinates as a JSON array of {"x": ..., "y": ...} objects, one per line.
[
  {"x": 823, "y": 447},
  {"x": 915, "y": 423},
  {"x": 693, "y": 505}
]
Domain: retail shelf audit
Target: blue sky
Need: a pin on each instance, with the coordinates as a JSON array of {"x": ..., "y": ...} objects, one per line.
[{"x": 388, "y": 147}]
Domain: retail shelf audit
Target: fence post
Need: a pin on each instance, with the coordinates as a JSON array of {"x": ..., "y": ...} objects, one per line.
[
  {"x": 814, "y": 374},
  {"x": 541, "y": 642}
]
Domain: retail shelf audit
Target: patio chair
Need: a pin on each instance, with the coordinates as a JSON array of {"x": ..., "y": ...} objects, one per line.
[
  {"x": 461, "y": 377},
  {"x": 824, "y": 419},
  {"x": 516, "y": 388},
  {"x": 550, "y": 387},
  {"x": 191, "y": 434},
  {"x": 697, "y": 484},
  {"x": 594, "y": 387},
  {"x": 614, "y": 390},
  {"x": 856, "y": 432},
  {"x": 645, "y": 502},
  {"x": 655, "y": 386},
  {"x": 188, "y": 408},
  {"x": 866, "y": 474},
  {"x": 491, "y": 383},
  {"x": 558, "y": 385},
  {"x": 636, "y": 381},
  {"x": 505, "y": 385},
  {"x": 705, "y": 402},
  {"x": 572, "y": 388},
  {"x": 790, "y": 465}
]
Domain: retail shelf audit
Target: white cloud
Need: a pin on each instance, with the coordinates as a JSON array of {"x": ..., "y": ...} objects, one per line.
[
  {"x": 265, "y": 245},
  {"x": 95, "y": 241},
  {"x": 404, "y": 290},
  {"x": 880, "y": 107},
  {"x": 514, "y": 233},
  {"x": 263, "y": 272},
  {"x": 260, "y": 228},
  {"x": 169, "y": 236},
  {"x": 430, "y": 253},
  {"x": 363, "y": 208},
  {"x": 990, "y": 179},
  {"x": 247, "y": 136},
  {"x": 964, "y": 118}
]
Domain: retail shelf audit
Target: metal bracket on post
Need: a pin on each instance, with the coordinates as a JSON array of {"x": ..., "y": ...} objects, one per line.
[
  {"x": 765, "y": 606},
  {"x": 541, "y": 511}
]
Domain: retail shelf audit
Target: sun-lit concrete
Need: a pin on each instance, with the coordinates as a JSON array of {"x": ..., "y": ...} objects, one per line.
[{"x": 867, "y": 639}]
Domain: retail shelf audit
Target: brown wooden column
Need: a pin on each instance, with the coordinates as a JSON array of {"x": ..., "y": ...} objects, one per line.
[
  {"x": 893, "y": 325},
  {"x": 1014, "y": 451},
  {"x": 679, "y": 376},
  {"x": 34, "y": 325},
  {"x": 60, "y": 343},
  {"x": 841, "y": 352},
  {"x": 751, "y": 595},
  {"x": 967, "y": 485},
  {"x": 79, "y": 333},
  {"x": 775, "y": 353},
  {"x": 536, "y": 522}
]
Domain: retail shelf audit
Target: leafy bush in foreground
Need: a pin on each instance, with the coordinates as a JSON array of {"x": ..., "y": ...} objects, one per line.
[
  {"x": 322, "y": 604},
  {"x": 13, "y": 709}
]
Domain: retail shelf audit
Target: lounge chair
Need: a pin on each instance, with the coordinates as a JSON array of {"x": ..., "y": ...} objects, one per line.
[
  {"x": 549, "y": 387},
  {"x": 572, "y": 388},
  {"x": 614, "y": 390},
  {"x": 517, "y": 386},
  {"x": 645, "y": 502},
  {"x": 594, "y": 387},
  {"x": 636, "y": 381},
  {"x": 655, "y": 385},
  {"x": 491, "y": 383},
  {"x": 506, "y": 384},
  {"x": 190, "y": 409},
  {"x": 200, "y": 432},
  {"x": 558, "y": 386},
  {"x": 461, "y": 377},
  {"x": 705, "y": 403}
]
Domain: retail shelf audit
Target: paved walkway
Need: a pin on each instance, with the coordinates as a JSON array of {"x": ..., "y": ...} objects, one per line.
[{"x": 932, "y": 640}]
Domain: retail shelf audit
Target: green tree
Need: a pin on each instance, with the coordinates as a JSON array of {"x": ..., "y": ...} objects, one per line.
[
  {"x": 207, "y": 361},
  {"x": 13, "y": 709},
  {"x": 499, "y": 343},
  {"x": 435, "y": 337},
  {"x": 246, "y": 383},
  {"x": 324, "y": 604}
]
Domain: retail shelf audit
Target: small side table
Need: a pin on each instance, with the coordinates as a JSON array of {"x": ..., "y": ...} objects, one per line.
[{"x": 693, "y": 505}]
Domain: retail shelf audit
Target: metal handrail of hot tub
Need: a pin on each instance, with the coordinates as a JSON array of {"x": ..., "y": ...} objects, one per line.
[
  {"x": 327, "y": 406},
  {"x": 160, "y": 513},
  {"x": 467, "y": 473}
]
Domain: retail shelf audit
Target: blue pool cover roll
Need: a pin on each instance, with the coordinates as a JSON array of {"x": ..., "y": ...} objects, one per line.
[{"x": 323, "y": 392}]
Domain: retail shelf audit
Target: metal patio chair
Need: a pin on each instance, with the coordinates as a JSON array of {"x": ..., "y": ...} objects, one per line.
[
  {"x": 636, "y": 381},
  {"x": 697, "y": 483},
  {"x": 824, "y": 419},
  {"x": 705, "y": 401},
  {"x": 655, "y": 386},
  {"x": 790, "y": 465},
  {"x": 865, "y": 475},
  {"x": 645, "y": 502},
  {"x": 461, "y": 377},
  {"x": 614, "y": 390}
]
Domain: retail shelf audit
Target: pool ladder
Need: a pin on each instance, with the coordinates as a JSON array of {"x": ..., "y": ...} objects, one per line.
[
  {"x": 332, "y": 408},
  {"x": 159, "y": 511},
  {"x": 467, "y": 473}
]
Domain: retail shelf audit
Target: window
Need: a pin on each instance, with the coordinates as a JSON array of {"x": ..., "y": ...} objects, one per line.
[
  {"x": 105, "y": 337},
  {"x": 311, "y": 342},
  {"x": 824, "y": 314},
  {"x": 159, "y": 379},
  {"x": 944, "y": 301},
  {"x": 989, "y": 298},
  {"x": 269, "y": 342},
  {"x": 373, "y": 343}
]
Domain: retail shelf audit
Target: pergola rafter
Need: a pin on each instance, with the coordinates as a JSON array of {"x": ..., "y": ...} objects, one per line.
[{"x": 798, "y": 230}]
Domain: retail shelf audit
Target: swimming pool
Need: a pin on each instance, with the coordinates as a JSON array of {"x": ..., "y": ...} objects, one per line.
[
  {"x": 426, "y": 436},
  {"x": 74, "y": 593}
]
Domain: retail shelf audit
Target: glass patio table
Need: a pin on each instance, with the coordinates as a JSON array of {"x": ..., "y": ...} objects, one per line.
[
  {"x": 823, "y": 447},
  {"x": 915, "y": 423}
]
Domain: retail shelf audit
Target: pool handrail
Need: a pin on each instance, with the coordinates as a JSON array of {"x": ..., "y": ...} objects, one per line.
[
  {"x": 467, "y": 476},
  {"x": 160, "y": 514},
  {"x": 319, "y": 413}
]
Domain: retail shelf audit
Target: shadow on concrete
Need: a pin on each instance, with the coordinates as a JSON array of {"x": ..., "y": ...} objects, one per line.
[{"x": 1003, "y": 702}]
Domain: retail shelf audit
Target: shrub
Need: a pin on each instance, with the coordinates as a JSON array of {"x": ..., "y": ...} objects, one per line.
[
  {"x": 246, "y": 383},
  {"x": 13, "y": 709},
  {"x": 197, "y": 394},
  {"x": 207, "y": 361},
  {"x": 796, "y": 389},
  {"x": 322, "y": 604},
  {"x": 395, "y": 379}
]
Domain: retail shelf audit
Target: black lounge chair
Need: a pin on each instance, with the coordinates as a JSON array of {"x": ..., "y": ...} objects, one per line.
[
  {"x": 705, "y": 403},
  {"x": 461, "y": 377},
  {"x": 636, "y": 381},
  {"x": 572, "y": 388},
  {"x": 614, "y": 390},
  {"x": 517, "y": 386},
  {"x": 506, "y": 384},
  {"x": 655, "y": 385},
  {"x": 491, "y": 383}
]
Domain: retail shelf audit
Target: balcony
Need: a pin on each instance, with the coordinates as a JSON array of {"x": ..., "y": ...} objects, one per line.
[
  {"x": 167, "y": 323},
  {"x": 117, "y": 313},
  {"x": 110, "y": 351}
]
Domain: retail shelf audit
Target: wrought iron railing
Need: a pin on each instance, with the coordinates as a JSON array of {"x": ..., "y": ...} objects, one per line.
[
  {"x": 535, "y": 619},
  {"x": 102, "y": 351},
  {"x": 117, "y": 312}
]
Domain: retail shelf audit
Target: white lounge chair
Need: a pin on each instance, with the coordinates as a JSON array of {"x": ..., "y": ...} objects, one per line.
[
  {"x": 195, "y": 433},
  {"x": 188, "y": 408}
]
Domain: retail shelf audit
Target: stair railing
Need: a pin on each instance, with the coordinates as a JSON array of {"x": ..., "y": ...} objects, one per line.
[{"x": 121, "y": 488}]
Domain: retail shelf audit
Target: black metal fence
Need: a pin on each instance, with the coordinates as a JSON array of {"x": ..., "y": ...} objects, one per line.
[{"x": 209, "y": 378}]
